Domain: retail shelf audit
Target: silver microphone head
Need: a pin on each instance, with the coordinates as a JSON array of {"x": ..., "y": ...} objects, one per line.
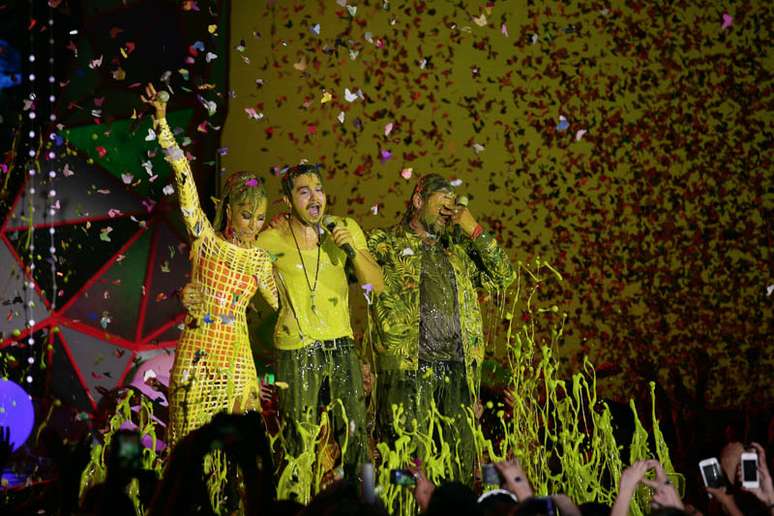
[
  {"x": 163, "y": 96},
  {"x": 462, "y": 200},
  {"x": 329, "y": 222}
]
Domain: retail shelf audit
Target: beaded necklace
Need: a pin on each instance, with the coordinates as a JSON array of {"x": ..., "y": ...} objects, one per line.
[{"x": 312, "y": 289}]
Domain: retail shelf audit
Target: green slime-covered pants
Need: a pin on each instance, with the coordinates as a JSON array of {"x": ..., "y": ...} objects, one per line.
[
  {"x": 305, "y": 370},
  {"x": 444, "y": 384}
]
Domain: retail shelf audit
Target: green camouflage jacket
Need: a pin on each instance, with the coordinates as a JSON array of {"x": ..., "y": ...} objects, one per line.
[{"x": 394, "y": 314}]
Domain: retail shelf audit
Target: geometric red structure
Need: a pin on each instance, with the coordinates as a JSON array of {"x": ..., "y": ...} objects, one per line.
[{"x": 120, "y": 263}]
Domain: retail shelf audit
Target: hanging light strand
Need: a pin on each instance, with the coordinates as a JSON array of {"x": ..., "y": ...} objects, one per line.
[{"x": 31, "y": 167}]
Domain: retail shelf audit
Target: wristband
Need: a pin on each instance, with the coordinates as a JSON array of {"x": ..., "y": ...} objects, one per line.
[{"x": 476, "y": 232}]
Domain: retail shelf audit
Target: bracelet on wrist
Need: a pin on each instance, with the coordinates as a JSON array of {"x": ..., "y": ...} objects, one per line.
[{"x": 476, "y": 232}]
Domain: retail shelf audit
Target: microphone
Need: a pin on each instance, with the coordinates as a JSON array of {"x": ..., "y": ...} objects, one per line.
[{"x": 330, "y": 225}]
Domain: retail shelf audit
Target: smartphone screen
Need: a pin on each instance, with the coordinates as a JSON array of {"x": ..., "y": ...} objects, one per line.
[
  {"x": 402, "y": 477},
  {"x": 129, "y": 453},
  {"x": 490, "y": 475},
  {"x": 749, "y": 470},
  {"x": 712, "y": 474}
]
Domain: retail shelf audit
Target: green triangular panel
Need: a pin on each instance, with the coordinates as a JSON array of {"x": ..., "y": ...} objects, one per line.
[
  {"x": 125, "y": 149},
  {"x": 112, "y": 302}
]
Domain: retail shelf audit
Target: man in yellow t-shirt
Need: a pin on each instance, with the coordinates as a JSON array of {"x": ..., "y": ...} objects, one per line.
[{"x": 313, "y": 255}]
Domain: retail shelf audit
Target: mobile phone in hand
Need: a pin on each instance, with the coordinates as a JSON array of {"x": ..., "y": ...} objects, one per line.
[
  {"x": 489, "y": 474},
  {"x": 402, "y": 477},
  {"x": 750, "y": 470},
  {"x": 711, "y": 472}
]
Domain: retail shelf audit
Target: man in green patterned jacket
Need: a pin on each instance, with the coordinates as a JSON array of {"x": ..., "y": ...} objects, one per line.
[{"x": 426, "y": 328}]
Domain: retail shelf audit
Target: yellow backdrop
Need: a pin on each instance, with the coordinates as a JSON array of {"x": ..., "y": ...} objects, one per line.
[{"x": 627, "y": 146}]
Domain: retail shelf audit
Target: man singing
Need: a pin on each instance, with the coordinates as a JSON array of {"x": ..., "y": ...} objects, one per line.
[
  {"x": 426, "y": 326},
  {"x": 313, "y": 338}
]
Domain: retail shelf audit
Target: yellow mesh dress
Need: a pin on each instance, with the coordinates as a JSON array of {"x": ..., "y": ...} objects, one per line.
[{"x": 213, "y": 368}]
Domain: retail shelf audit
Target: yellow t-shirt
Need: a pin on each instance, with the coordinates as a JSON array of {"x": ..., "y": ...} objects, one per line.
[{"x": 306, "y": 316}]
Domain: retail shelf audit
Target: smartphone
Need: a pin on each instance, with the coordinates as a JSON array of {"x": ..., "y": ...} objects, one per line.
[
  {"x": 402, "y": 477},
  {"x": 711, "y": 473},
  {"x": 490, "y": 475},
  {"x": 750, "y": 470},
  {"x": 127, "y": 454}
]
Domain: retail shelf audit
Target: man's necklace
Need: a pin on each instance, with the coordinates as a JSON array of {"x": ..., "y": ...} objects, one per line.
[{"x": 312, "y": 289}]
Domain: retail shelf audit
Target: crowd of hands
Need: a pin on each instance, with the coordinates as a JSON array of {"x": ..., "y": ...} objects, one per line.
[
  {"x": 184, "y": 479},
  {"x": 644, "y": 474}
]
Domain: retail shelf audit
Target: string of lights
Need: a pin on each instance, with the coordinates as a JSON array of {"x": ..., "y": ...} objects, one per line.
[
  {"x": 51, "y": 204},
  {"x": 30, "y": 191}
]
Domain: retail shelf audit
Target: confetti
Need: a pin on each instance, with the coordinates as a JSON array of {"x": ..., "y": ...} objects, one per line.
[
  {"x": 104, "y": 234},
  {"x": 253, "y": 114},
  {"x": 95, "y": 63},
  {"x": 349, "y": 96}
]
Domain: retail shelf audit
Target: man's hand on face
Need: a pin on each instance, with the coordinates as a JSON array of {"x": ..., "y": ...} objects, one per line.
[{"x": 461, "y": 216}]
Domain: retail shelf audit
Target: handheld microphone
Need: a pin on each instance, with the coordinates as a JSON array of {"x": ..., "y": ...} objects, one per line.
[{"x": 330, "y": 225}]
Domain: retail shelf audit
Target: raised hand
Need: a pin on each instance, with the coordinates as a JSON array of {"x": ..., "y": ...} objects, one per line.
[
  {"x": 664, "y": 491},
  {"x": 156, "y": 99},
  {"x": 423, "y": 490},
  {"x": 630, "y": 478},
  {"x": 514, "y": 478},
  {"x": 766, "y": 490}
]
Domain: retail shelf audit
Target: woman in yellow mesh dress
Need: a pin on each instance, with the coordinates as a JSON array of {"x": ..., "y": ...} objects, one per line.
[{"x": 214, "y": 369}]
